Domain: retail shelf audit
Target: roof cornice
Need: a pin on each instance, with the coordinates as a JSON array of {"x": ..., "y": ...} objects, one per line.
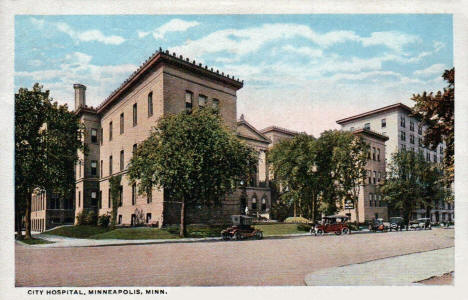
[
  {"x": 375, "y": 111},
  {"x": 171, "y": 59},
  {"x": 279, "y": 129},
  {"x": 371, "y": 133}
]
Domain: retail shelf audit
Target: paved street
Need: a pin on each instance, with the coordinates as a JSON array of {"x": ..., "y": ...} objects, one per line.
[{"x": 267, "y": 262}]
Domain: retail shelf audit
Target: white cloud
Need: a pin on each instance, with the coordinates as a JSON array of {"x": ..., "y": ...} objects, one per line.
[
  {"x": 391, "y": 39},
  {"x": 174, "y": 25},
  {"x": 432, "y": 70},
  {"x": 38, "y": 23},
  {"x": 89, "y": 35},
  {"x": 308, "y": 51},
  {"x": 438, "y": 46}
]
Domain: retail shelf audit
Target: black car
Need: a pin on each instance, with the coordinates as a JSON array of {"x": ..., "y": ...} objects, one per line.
[
  {"x": 378, "y": 225},
  {"x": 397, "y": 223}
]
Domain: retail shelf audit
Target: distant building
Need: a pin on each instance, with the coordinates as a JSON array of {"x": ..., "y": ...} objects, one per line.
[{"x": 404, "y": 132}]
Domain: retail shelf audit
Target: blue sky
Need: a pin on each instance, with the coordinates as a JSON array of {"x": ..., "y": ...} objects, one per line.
[{"x": 302, "y": 72}]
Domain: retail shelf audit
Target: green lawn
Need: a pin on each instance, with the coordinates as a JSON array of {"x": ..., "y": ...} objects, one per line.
[
  {"x": 281, "y": 229},
  {"x": 36, "y": 241},
  {"x": 144, "y": 233},
  {"x": 82, "y": 231}
]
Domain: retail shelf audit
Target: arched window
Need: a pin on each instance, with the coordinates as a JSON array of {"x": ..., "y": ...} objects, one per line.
[{"x": 254, "y": 202}]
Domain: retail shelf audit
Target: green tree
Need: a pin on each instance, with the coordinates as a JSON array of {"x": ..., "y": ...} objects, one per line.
[
  {"x": 116, "y": 195},
  {"x": 411, "y": 183},
  {"x": 437, "y": 112},
  {"x": 46, "y": 143},
  {"x": 349, "y": 158},
  {"x": 194, "y": 157}
]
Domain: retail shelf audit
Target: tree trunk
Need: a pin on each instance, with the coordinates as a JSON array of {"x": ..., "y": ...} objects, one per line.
[
  {"x": 182, "y": 220},
  {"x": 294, "y": 209},
  {"x": 19, "y": 225},
  {"x": 356, "y": 209},
  {"x": 27, "y": 221}
]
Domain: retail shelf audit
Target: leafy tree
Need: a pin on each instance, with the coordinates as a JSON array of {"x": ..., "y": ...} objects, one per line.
[
  {"x": 411, "y": 183},
  {"x": 437, "y": 112},
  {"x": 46, "y": 144},
  {"x": 292, "y": 163},
  {"x": 115, "y": 192},
  {"x": 194, "y": 157}
]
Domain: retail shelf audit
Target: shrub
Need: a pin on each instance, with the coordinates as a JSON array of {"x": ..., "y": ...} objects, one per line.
[
  {"x": 80, "y": 218},
  {"x": 304, "y": 227},
  {"x": 297, "y": 220},
  {"x": 104, "y": 220},
  {"x": 91, "y": 218}
]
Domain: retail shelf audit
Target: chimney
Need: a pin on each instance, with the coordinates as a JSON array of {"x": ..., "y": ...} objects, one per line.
[{"x": 80, "y": 95}]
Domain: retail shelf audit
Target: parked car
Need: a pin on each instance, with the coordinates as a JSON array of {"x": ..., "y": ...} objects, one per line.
[
  {"x": 336, "y": 223},
  {"x": 421, "y": 223},
  {"x": 241, "y": 229},
  {"x": 397, "y": 223},
  {"x": 379, "y": 225}
]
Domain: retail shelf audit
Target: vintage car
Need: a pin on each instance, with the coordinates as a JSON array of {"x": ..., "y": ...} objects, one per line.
[
  {"x": 421, "y": 223},
  {"x": 378, "y": 225},
  {"x": 241, "y": 229},
  {"x": 397, "y": 224},
  {"x": 336, "y": 223}
]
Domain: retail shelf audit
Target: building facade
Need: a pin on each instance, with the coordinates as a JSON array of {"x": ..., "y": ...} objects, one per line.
[
  {"x": 370, "y": 203},
  {"x": 164, "y": 84},
  {"x": 404, "y": 132}
]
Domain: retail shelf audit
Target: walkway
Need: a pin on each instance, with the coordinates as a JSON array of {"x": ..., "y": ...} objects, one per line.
[{"x": 399, "y": 270}]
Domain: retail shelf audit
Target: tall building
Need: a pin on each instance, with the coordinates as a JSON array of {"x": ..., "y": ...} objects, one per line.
[
  {"x": 370, "y": 203},
  {"x": 404, "y": 132},
  {"x": 165, "y": 83}
]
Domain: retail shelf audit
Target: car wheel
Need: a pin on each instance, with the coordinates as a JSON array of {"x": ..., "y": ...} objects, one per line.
[
  {"x": 319, "y": 232},
  {"x": 259, "y": 235},
  {"x": 345, "y": 230},
  {"x": 338, "y": 232}
]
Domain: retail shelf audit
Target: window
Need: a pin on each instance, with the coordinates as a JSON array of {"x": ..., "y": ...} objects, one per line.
[
  {"x": 135, "y": 114},
  {"x": 441, "y": 150},
  {"x": 411, "y": 126},
  {"x": 93, "y": 135},
  {"x": 150, "y": 104},
  {"x": 148, "y": 218},
  {"x": 120, "y": 195},
  {"x": 134, "y": 149},
  {"x": 110, "y": 165},
  {"x": 93, "y": 168},
  {"x": 201, "y": 101},
  {"x": 149, "y": 196},
  {"x": 367, "y": 126},
  {"x": 403, "y": 147},
  {"x": 215, "y": 103},
  {"x": 133, "y": 194},
  {"x": 121, "y": 160},
  {"x": 79, "y": 198},
  {"x": 122, "y": 123},
  {"x": 110, "y": 131},
  {"x": 428, "y": 156},
  {"x": 120, "y": 219},
  {"x": 188, "y": 101},
  {"x": 402, "y": 121},
  {"x": 100, "y": 200},
  {"x": 435, "y": 157},
  {"x": 93, "y": 198},
  {"x": 378, "y": 176},
  {"x": 102, "y": 136},
  {"x": 411, "y": 138},
  {"x": 420, "y": 143},
  {"x": 421, "y": 152},
  {"x": 403, "y": 135},
  {"x": 378, "y": 154},
  {"x": 254, "y": 203},
  {"x": 384, "y": 123},
  {"x": 79, "y": 169},
  {"x": 375, "y": 177},
  {"x": 263, "y": 204},
  {"x": 373, "y": 153},
  {"x": 419, "y": 129},
  {"x": 369, "y": 176},
  {"x": 102, "y": 168},
  {"x": 109, "y": 202},
  {"x": 371, "y": 198}
]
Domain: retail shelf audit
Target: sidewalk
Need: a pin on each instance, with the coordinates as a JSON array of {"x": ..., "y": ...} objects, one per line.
[{"x": 399, "y": 270}]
